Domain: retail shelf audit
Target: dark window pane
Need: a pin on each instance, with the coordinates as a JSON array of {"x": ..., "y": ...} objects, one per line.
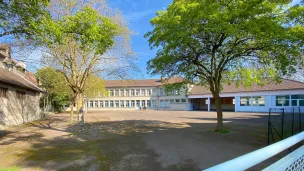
[
  {"x": 301, "y": 102},
  {"x": 297, "y": 97},
  {"x": 286, "y": 102},
  {"x": 294, "y": 103}
]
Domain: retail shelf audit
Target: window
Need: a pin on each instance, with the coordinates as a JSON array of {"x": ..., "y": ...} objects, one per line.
[
  {"x": 116, "y": 92},
  {"x": 116, "y": 103},
  {"x": 183, "y": 100},
  {"x": 154, "y": 92},
  {"x": 171, "y": 100},
  {"x": 161, "y": 92},
  {"x": 101, "y": 103},
  {"x": 297, "y": 100},
  {"x": 127, "y": 103},
  {"x": 20, "y": 95},
  {"x": 132, "y": 103},
  {"x": 148, "y": 92},
  {"x": 166, "y": 103},
  {"x": 148, "y": 103},
  {"x": 96, "y": 103},
  {"x": 175, "y": 92},
  {"x": 153, "y": 103},
  {"x": 111, "y": 104},
  {"x": 282, "y": 100},
  {"x": 3, "y": 92},
  {"x": 91, "y": 104},
  {"x": 245, "y": 101},
  {"x": 106, "y": 104},
  {"x": 111, "y": 93},
  {"x": 143, "y": 92},
  {"x": 177, "y": 100},
  {"x": 251, "y": 101},
  {"x": 137, "y": 92},
  {"x": 132, "y": 92},
  {"x": 122, "y": 103},
  {"x": 122, "y": 93},
  {"x": 137, "y": 103},
  {"x": 143, "y": 103},
  {"x": 127, "y": 92}
]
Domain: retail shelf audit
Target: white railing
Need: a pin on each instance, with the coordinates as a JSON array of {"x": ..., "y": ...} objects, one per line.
[{"x": 251, "y": 159}]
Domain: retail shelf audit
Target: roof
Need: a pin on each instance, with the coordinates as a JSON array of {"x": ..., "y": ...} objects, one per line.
[
  {"x": 141, "y": 83},
  {"x": 269, "y": 86},
  {"x": 17, "y": 80}
]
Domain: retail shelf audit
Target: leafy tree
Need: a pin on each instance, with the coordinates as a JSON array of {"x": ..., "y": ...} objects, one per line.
[
  {"x": 17, "y": 16},
  {"x": 211, "y": 42},
  {"x": 82, "y": 41},
  {"x": 59, "y": 92}
]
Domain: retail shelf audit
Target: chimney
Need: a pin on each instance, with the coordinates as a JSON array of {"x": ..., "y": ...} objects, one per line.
[
  {"x": 162, "y": 78},
  {"x": 5, "y": 50}
]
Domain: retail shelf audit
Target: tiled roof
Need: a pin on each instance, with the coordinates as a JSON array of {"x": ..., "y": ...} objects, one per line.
[
  {"x": 17, "y": 80},
  {"x": 141, "y": 83},
  {"x": 270, "y": 86}
]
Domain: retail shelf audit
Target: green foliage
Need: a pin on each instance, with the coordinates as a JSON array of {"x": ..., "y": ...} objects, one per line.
[
  {"x": 210, "y": 42},
  {"x": 14, "y": 168},
  {"x": 18, "y": 17},
  {"x": 223, "y": 131},
  {"x": 87, "y": 27}
]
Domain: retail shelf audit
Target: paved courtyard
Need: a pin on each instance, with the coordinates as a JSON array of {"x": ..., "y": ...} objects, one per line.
[{"x": 132, "y": 140}]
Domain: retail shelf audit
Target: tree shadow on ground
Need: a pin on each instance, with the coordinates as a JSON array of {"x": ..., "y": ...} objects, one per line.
[
  {"x": 142, "y": 145},
  {"x": 104, "y": 146}
]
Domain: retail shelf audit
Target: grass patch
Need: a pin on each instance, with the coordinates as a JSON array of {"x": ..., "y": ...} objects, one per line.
[
  {"x": 223, "y": 131},
  {"x": 14, "y": 168}
]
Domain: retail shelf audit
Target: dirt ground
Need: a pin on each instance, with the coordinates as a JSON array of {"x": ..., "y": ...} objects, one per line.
[{"x": 133, "y": 141}]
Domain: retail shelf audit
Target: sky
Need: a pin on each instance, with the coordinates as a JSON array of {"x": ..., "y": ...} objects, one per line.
[{"x": 138, "y": 14}]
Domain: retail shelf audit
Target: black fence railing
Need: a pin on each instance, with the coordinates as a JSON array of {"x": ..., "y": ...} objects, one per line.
[{"x": 284, "y": 122}]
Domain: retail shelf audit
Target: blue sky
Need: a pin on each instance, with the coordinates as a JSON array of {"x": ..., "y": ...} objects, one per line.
[{"x": 138, "y": 14}]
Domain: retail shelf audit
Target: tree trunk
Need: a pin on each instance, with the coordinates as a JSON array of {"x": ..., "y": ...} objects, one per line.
[
  {"x": 71, "y": 112},
  {"x": 219, "y": 111}
]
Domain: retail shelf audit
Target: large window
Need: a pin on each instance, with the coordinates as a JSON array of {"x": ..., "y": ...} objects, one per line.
[
  {"x": 122, "y": 93},
  {"x": 91, "y": 104},
  {"x": 111, "y": 104},
  {"x": 106, "y": 104},
  {"x": 161, "y": 92},
  {"x": 101, "y": 103},
  {"x": 122, "y": 104},
  {"x": 111, "y": 93},
  {"x": 297, "y": 100},
  {"x": 96, "y": 103},
  {"x": 116, "y": 92},
  {"x": 282, "y": 100},
  {"x": 127, "y": 103},
  {"x": 148, "y": 92},
  {"x": 127, "y": 92},
  {"x": 3, "y": 92},
  {"x": 148, "y": 103},
  {"x": 143, "y": 92},
  {"x": 153, "y": 103},
  {"x": 137, "y": 92},
  {"x": 132, "y": 92},
  {"x": 154, "y": 92},
  {"x": 252, "y": 101},
  {"x": 116, "y": 103},
  {"x": 132, "y": 103},
  {"x": 143, "y": 103}
]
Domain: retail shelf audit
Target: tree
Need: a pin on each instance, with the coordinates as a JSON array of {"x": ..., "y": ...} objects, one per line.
[
  {"x": 58, "y": 89},
  {"x": 17, "y": 16},
  {"x": 81, "y": 41},
  {"x": 211, "y": 42},
  {"x": 58, "y": 92}
]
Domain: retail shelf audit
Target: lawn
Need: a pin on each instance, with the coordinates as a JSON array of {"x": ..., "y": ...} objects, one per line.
[{"x": 132, "y": 140}]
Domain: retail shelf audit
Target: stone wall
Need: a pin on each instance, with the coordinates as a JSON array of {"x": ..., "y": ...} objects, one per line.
[{"x": 15, "y": 110}]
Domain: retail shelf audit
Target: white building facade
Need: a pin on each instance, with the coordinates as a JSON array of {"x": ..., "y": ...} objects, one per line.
[
  {"x": 286, "y": 94},
  {"x": 138, "y": 94}
]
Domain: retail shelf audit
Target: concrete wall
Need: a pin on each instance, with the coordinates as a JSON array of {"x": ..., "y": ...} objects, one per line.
[{"x": 14, "y": 111}]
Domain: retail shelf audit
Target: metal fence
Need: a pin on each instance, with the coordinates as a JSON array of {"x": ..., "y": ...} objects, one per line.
[
  {"x": 284, "y": 122},
  {"x": 292, "y": 162}
]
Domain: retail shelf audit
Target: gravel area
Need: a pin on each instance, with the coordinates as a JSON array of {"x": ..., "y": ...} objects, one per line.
[{"x": 133, "y": 140}]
